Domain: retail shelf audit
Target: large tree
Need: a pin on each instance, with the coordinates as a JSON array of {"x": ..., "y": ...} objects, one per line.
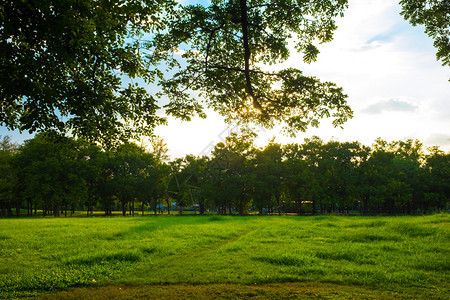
[
  {"x": 62, "y": 65},
  {"x": 227, "y": 48}
]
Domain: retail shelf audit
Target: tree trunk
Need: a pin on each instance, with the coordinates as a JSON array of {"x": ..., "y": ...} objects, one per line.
[
  {"x": 56, "y": 211},
  {"x": 124, "y": 209},
  {"x": 260, "y": 207},
  {"x": 277, "y": 199},
  {"x": 10, "y": 213},
  {"x": 202, "y": 208}
]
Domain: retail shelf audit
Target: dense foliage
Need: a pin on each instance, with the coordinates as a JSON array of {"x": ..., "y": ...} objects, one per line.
[
  {"x": 62, "y": 65},
  {"x": 227, "y": 49},
  {"x": 57, "y": 175},
  {"x": 65, "y": 65}
]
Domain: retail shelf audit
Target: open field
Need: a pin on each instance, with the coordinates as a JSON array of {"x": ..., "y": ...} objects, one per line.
[{"x": 215, "y": 256}]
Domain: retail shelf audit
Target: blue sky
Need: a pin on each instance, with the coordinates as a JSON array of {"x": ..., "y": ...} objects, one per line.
[{"x": 388, "y": 68}]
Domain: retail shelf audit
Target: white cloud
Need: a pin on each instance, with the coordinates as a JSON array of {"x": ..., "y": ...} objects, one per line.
[{"x": 393, "y": 104}]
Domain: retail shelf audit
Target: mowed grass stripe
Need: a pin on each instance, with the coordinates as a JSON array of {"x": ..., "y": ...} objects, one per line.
[{"x": 383, "y": 253}]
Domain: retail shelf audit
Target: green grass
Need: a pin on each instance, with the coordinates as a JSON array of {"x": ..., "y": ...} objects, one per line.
[{"x": 403, "y": 256}]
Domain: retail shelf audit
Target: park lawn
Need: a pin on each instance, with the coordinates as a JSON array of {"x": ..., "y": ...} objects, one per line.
[{"x": 217, "y": 256}]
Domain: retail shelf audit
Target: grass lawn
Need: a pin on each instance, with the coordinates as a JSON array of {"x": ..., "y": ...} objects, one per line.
[{"x": 226, "y": 257}]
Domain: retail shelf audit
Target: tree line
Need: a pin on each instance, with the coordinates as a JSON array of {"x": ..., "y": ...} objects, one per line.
[{"x": 53, "y": 175}]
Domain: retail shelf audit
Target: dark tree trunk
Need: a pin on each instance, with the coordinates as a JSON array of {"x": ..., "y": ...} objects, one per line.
[
  {"x": 202, "y": 207},
  {"x": 277, "y": 199},
  {"x": 124, "y": 209},
  {"x": 56, "y": 211},
  {"x": 10, "y": 213},
  {"x": 365, "y": 208},
  {"x": 29, "y": 207},
  {"x": 260, "y": 207}
]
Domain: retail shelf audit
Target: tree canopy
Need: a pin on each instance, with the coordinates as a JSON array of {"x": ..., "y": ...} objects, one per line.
[
  {"x": 228, "y": 47},
  {"x": 65, "y": 64},
  {"x": 57, "y": 174},
  {"x": 62, "y": 63}
]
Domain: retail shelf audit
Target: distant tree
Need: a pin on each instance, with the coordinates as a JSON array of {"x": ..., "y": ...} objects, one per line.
[
  {"x": 97, "y": 175},
  {"x": 62, "y": 64},
  {"x": 437, "y": 184},
  {"x": 269, "y": 171},
  {"x": 150, "y": 181},
  {"x": 304, "y": 179},
  {"x": 128, "y": 168},
  {"x": 159, "y": 148},
  {"x": 298, "y": 179},
  {"x": 434, "y": 15},
  {"x": 196, "y": 170},
  {"x": 8, "y": 178},
  {"x": 231, "y": 164},
  {"x": 409, "y": 159},
  {"x": 340, "y": 162},
  {"x": 8, "y": 182},
  {"x": 49, "y": 173}
]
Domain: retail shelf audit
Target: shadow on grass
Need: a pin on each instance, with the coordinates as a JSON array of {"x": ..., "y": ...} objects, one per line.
[
  {"x": 101, "y": 259},
  {"x": 285, "y": 260}
]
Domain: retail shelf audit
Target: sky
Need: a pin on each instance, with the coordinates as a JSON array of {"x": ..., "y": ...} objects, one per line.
[{"x": 387, "y": 67}]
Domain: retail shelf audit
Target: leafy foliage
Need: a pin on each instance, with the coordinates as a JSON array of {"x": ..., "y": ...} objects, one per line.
[
  {"x": 56, "y": 174},
  {"x": 435, "y": 15},
  {"x": 227, "y": 47},
  {"x": 62, "y": 64}
]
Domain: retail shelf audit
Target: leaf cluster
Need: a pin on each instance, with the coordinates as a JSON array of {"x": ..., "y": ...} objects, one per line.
[
  {"x": 226, "y": 49},
  {"x": 62, "y": 63},
  {"x": 435, "y": 15}
]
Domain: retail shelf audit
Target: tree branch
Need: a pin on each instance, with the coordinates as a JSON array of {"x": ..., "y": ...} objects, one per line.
[{"x": 244, "y": 22}]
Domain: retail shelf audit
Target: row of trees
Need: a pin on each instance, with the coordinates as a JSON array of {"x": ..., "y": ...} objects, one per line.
[
  {"x": 395, "y": 177},
  {"x": 60, "y": 175}
]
